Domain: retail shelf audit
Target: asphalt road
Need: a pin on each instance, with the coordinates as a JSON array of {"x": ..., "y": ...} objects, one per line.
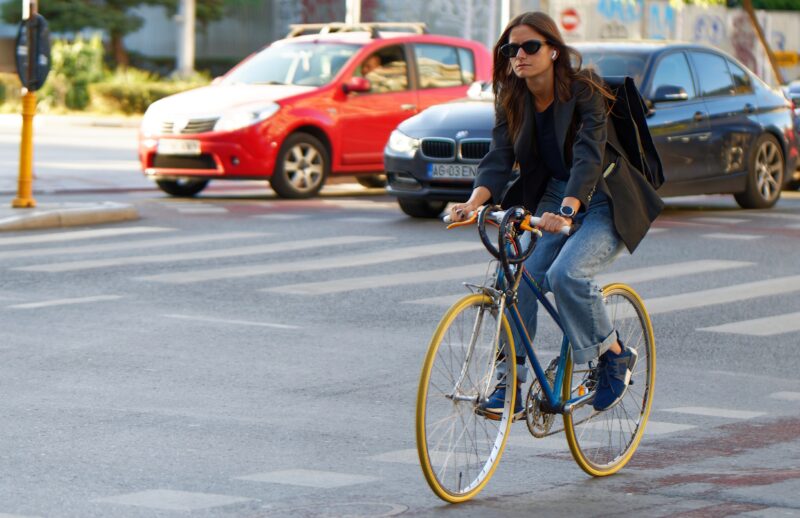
[{"x": 239, "y": 355}]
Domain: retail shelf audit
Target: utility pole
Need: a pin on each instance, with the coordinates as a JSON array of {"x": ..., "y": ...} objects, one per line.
[
  {"x": 186, "y": 21},
  {"x": 353, "y": 16},
  {"x": 776, "y": 69}
]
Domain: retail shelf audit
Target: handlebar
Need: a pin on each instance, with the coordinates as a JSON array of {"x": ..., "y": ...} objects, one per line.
[{"x": 497, "y": 216}]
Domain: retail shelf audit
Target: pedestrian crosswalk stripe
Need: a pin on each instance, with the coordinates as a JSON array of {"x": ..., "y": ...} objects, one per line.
[
  {"x": 727, "y": 294},
  {"x": 65, "y": 302},
  {"x": 631, "y": 276},
  {"x": 728, "y": 221},
  {"x": 209, "y": 209},
  {"x": 381, "y": 281},
  {"x": 233, "y": 322},
  {"x": 767, "y": 326},
  {"x": 326, "y": 263},
  {"x": 129, "y": 245},
  {"x": 786, "y": 396},
  {"x": 199, "y": 255},
  {"x": 79, "y": 234},
  {"x": 733, "y": 237},
  {"x": 714, "y": 412},
  {"x": 281, "y": 217},
  {"x": 309, "y": 478},
  {"x": 169, "y": 500}
]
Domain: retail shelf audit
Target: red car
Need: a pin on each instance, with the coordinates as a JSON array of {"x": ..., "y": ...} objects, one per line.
[{"x": 305, "y": 107}]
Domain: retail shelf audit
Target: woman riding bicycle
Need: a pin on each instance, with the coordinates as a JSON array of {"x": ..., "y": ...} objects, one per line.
[{"x": 551, "y": 119}]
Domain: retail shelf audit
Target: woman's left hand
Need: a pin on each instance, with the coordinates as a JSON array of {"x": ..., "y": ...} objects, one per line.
[{"x": 553, "y": 222}]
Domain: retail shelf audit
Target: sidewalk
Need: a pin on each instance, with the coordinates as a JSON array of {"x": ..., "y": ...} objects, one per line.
[{"x": 54, "y": 215}]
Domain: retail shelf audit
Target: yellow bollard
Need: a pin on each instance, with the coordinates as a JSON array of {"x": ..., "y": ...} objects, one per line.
[{"x": 24, "y": 197}]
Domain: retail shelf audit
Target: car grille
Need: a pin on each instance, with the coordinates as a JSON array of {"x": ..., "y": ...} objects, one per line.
[
  {"x": 474, "y": 149},
  {"x": 439, "y": 148},
  {"x": 184, "y": 162},
  {"x": 192, "y": 126}
]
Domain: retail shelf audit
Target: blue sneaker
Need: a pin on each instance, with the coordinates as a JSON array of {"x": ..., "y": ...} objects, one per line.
[
  {"x": 614, "y": 375},
  {"x": 493, "y": 407}
]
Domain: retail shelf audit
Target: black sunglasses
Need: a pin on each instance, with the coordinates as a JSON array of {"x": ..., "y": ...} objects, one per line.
[{"x": 530, "y": 47}]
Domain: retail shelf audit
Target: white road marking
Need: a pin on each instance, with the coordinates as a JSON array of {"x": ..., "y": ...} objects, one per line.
[
  {"x": 635, "y": 275},
  {"x": 65, "y": 302},
  {"x": 774, "y": 214},
  {"x": 309, "y": 478},
  {"x": 281, "y": 217},
  {"x": 170, "y": 500},
  {"x": 282, "y": 246},
  {"x": 728, "y": 221},
  {"x": 202, "y": 210},
  {"x": 226, "y": 321},
  {"x": 327, "y": 263},
  {"x": 129, "y": 245},
  {"x": 382, "y": 281},
  {"x": 714, "y": 412},
  {"x": 786, "y": 396},
  {"x": 733, "y": 237},
  {"x": 767, "y": 326},
  {"x": 727, "y": 294},
  {"x": 78, "y": 234}
]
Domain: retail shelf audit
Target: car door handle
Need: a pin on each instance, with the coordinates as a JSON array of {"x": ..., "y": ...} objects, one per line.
[
  {"x": 749, "y": 108},
  {"x": 700, "y": 116},
  {"x": 408, "y": 107}
]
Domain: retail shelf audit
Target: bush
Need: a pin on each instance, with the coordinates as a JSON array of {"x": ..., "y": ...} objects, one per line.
[
  {"x": 74, "y": 66},
  {"x": 9, "y": 89},
  {"x": 132, "y": 91}
]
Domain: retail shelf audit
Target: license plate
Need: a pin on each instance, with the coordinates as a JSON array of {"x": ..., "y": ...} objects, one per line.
[
  {"x": 452, "y": 170},
  {"x": 178, "y": 147}
]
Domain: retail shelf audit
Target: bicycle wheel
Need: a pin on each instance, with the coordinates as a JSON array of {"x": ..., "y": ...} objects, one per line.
[
  {"x": 603, "y": 442},
  {"x": 459, "y": 447}
]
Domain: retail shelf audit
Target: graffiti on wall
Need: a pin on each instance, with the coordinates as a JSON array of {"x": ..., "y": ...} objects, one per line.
[
  {"x": 743, "y": 40},
  {"x": 620, "y": 16},
  {"x": 709, "y": 28},
  {"x": 660, "y": 21}
]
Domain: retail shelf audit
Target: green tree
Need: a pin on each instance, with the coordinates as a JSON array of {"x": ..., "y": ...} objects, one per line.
[{"x": 113, "y": 16}]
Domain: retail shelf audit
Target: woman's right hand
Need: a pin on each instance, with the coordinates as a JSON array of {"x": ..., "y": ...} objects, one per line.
[{"x": 461, "y": 211}]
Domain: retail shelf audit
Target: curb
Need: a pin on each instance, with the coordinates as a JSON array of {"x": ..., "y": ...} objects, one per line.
[{"x": 107, "y": 212}]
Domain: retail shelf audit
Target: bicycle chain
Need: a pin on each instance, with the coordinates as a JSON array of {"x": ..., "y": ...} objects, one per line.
[{"x": 539, "y": 422}]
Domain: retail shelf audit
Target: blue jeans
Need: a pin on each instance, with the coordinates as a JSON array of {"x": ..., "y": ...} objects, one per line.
[{"x": 567, "y": 267}]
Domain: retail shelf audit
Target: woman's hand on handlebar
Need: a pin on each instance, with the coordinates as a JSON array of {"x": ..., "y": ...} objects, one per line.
[
  {"x": 553, "y": 223},
  {"x": 461, "y": 211}
]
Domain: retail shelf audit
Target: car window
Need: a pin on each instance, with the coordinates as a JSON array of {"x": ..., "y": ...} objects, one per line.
[
  {"x": 616, "y": 64},
  {"x": 712, "y": 71},
  {"x": 467, "y": 61},
  {"x": 386, "y": 70},
  {"x": 673, "y": 70},
  {"x": 741, "y": 80},
  {"x": 307, "y": 63},
  {"x": 439, "y": 66}
]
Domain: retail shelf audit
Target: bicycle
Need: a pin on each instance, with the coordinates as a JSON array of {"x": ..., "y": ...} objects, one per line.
[{"x": 473, "y": 350}]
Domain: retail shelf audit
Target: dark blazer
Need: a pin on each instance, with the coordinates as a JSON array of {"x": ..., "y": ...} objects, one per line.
[{"x": 583, "y": 131}]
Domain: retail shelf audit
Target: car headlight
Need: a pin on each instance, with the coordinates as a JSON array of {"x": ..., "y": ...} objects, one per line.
[
  {"x": 237, "y": 119},
  {"x": 402, "y": 144},
  {"x": 151, "y": 124}
]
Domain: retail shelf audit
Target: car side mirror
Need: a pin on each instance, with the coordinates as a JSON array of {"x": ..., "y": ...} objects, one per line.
[
  {"x": 356, "y": 84},
  {"x": 670, "y": 93}
]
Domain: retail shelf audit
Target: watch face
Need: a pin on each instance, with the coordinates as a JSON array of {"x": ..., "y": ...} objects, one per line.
[{"x": 566, "y": 212}]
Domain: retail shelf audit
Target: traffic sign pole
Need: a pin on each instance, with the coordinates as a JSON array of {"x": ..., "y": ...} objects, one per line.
[{"x": 24, "y": 199}]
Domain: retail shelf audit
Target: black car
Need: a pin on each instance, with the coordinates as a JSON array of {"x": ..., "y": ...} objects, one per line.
[{"x": 718, "y": 129}]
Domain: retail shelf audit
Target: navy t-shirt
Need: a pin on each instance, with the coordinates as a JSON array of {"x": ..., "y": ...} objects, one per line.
[{"x": 547, "y": 142}]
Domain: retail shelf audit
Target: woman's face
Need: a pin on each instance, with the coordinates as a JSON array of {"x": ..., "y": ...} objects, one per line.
[{"x": 530, "y": 65}]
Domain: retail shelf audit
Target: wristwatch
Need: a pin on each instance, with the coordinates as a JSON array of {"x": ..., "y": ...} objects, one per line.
[{"x": 565, "y": 211}]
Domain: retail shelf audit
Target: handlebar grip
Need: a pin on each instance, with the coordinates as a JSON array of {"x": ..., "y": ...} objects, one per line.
[{"x": 566, "y": 229}]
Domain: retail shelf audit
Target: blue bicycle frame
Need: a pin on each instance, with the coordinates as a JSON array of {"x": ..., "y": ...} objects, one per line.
[{"x": 553, "y": 394}]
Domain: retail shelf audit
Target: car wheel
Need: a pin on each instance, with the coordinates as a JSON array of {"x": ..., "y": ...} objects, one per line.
[
  {"x": 421, "y": 208},
  {"x": 182, "y": 187},
  {"x": 373, "y": 181},
  {"x": 765, "y": 176},
  {"x": 301, "y": 169}
]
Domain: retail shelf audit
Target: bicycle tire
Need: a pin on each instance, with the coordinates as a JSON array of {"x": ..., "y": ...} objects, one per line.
[
  {"x": 458, "y": 470},
  {"x": 602, "y": 443}
]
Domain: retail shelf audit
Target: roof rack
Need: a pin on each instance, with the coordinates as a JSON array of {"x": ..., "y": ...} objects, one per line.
[{"x": 299, "y": 29}]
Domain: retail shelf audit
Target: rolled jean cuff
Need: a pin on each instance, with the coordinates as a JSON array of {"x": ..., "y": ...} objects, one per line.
[{"x": 590, "y": 353}]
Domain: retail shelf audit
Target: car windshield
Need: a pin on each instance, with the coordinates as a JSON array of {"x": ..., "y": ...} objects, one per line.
[
  {"x": 301, "y": 63},
  {"x": 616, "y": 63}
]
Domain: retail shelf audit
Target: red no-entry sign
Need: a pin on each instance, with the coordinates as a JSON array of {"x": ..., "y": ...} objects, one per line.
[{"x": 570, "y": 19}]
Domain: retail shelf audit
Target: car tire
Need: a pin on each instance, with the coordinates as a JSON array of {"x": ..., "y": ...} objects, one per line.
[
  {"x": 302, "y": 167},
  {"x": 421, "y": 208},
  {"x": 182, "y": 187},
  {"x": 764, "y": 176},
  {"x": 372, "y": 181}
]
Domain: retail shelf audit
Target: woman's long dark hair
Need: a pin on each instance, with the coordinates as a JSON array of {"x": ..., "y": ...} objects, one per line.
[{"x": 510, "y": 90}]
